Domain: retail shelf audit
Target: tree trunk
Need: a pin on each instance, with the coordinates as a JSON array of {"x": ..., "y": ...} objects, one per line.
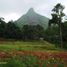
[{"x": 60, "y": 28}]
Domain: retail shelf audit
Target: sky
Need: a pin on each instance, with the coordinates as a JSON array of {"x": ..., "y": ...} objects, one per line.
[{"x": 14, "y": 9}]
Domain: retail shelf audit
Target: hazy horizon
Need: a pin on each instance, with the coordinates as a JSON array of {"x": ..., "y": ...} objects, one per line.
[{"x": 13, "y": 9}]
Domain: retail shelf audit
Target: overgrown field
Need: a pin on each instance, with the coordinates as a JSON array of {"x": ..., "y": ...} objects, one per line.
[
  {"x": 31, "y": 54},
  {"x": 33, "y": 59}
]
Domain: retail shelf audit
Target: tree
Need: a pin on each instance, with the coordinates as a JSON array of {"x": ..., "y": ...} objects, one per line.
[
  {"x": 57, "y": 18},
  {"x": 2, "y": 27},
  {"x": 32, "y": 32},
  {"x": 65, "y": 31},
  {"x": 12, "y": 31}
]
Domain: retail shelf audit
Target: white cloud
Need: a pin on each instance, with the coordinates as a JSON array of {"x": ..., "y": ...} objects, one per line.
[
  {"x": 12, "y": 9},
  {"x": 11, "y": 16}
]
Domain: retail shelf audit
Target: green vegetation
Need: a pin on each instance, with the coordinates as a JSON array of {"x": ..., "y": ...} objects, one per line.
[
  {"x": 31, "y": 46},
  {"x": 32, "y": 61}
]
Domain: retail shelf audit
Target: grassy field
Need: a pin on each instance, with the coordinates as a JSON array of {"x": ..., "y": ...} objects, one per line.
[
  {"x": 30, "y": 46},
  {"x": 31, "y": 54}
]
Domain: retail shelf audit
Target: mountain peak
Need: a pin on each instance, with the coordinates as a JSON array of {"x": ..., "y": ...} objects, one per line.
[{"x": 31, "y": 10}]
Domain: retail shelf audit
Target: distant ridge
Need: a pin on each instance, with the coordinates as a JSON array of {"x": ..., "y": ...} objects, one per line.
[{"x": 32, "y": 18}]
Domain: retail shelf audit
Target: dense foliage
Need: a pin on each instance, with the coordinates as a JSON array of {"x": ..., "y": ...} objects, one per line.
[{"x": 28, "y": 32}]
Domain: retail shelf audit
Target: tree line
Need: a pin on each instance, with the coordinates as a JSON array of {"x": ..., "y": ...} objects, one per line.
[
  {"x": 28, "y": 32},
  {"x": 31, "y": 32}
]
